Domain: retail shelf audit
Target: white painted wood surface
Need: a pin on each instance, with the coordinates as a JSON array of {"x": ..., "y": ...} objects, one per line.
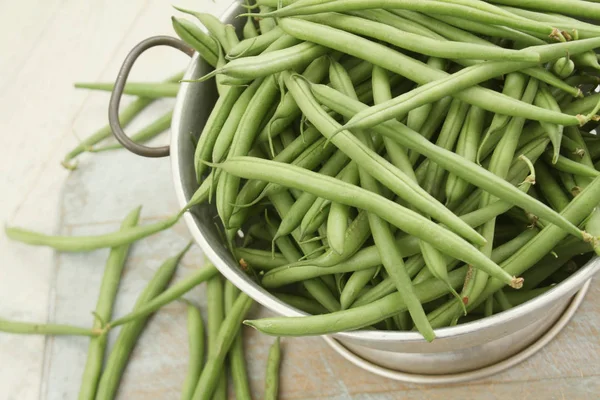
[{"x": 45, "y": 47}]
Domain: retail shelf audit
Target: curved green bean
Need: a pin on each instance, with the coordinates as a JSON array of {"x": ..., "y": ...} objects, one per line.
[
  {"x": 272, "y": 373},
  {"x": 237, "y": 363},
  {"x": 195, "y": 327}
]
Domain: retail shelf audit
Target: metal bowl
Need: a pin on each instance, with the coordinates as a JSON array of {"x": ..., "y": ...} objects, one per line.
[{"x": 462, "y": 348}]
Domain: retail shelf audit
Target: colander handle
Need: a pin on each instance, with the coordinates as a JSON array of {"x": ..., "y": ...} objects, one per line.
[{"x": 115, "y": 98}]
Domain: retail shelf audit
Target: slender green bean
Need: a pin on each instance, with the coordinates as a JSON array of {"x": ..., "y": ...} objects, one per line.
[
  {"x": 301, "y": 303},
  {"x": 584, "y": 9},
  {"x": 337, "y": 220},
  {"x": 573, "y": 167},
  {"x": 30, "y": 328},
  {"x": 195, "y": 327},
  {"x": 354, "y": 318},
  {"x": 104, "y": 306},
  {"x": 255, "y": 45},
  {"x": 117, "y": 360},
  {"x": 171, "y": 294},
  {"x": 550, "y": 188},
  {"x": 89, "y": 243},
  {"x": 357, "y": 281},
  {"x": 260, "y": 259},
  {"x": 216, "y": 314},
  {"x": 272, "y": 373},
  {"x": 237, "y": 363},
  {"x": 147, "y": 90}
]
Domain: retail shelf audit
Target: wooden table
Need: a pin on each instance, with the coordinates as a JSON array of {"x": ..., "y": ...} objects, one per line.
[{"x": 46, "y": 46}]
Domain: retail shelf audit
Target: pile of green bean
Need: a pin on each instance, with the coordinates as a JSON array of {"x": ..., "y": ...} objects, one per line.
[
  {"x": 403, "y": 164},
  {"x": 391, "y": 165}
]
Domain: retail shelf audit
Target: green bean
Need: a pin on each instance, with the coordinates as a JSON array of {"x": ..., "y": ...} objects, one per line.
[
  {"x": 237, "y": 363},
  {"x": 313, "y": 224},
  {"x": 354, "y": 318},
  {"x": 545, "y": 99},
  {"x": 593, "y": 226},
  {"x": 255, "y": 45},
  {"x": 270, "y": 63},
  {"x": 336, "y": 190},
  {"x": 260, "y": 259},
  {"x": 569, "y": 7},
  {"x": 265, "y": 24},
  {"x": 418, "y": 43},
  {"x": 231, "y": 35},
  {"x": 190, "y": 33},
  {"x": 468, "y": 144},
  {"x": 104, "y": 308},
  {"x": 272, "y": 373},
  {"x": 337, "y": 221},
  {"x": 214, "y": 26},
  {"x": 573, "y": 167},
  {"x": 208, "y": 384},
  {"x": 569, "y": 183},
  {"x": 426, "y": 7},
  {"x": 357, "y": 281},
  {"x": 453, "y": 163},
  {"x": 400, "y": 184},
  {"x": 552, "y": 262},
  {"x": 147, "y": 90},
  {"x": 88, "y": 243},
  {"x": 30, "y": 328},
  {"x": 249, "y": 31},
  {"x": 514, "y": 87},
  {"x": 195, "y": 327},
  {"x": 550, "y": 188},
  {"x": 231, "y": 121},
  {"x": 223, "y": 117},
  {"x": 418, "y": 116},
  {"x": 579, "y": 209},
  {"x": 216, "y": 314},
  {"x": 436, "y": 119},
  {"x": 172, "y": 293},
  {"x": 446, "y": 140},
  {"x": 502, "y": 300},
  {"x": 564, "y": 67},
  {"x": 301, "y": 303},
  {"x": 158, "y": 126},
  {"x": 117, "y": 360}
]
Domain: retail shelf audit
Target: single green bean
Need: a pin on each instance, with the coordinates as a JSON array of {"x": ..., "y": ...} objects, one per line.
[
  {"x": 117, "y": 360},
  {"x": 104, "y": 307},
  {"x": 265, "y": 24},
  {"x": 147, "y": 90},
  {"x": 468, "y": 144},
  {"x": 357, "y": 281},
  {"x": 545, "y": 99},
  {"x": 195, "y": 327},
  {"x": 272, "y": 373},
  {"x": 260, "y": 259},
  {"x": 89, "y": 243},
  {"x": 550, "y": 188},
  {"x": 354, "y": 318},
  {"x": 573, "y": 167},
  {"x": 249, "y": 31},
  {"x": 301, "y": 303},
  {"x": 216, "y": 314},
  {"x": 237, "y": 363},
  {"x": 171, "y": 294},
  {"x": 584, "y": 9},
  {"x": 30, "y": 328},
  {"x": 337, "y": 221}
]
